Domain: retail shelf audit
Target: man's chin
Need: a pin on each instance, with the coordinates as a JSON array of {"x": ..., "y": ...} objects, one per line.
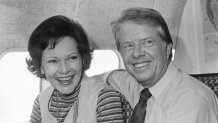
[{"x": 142, "y": 77}]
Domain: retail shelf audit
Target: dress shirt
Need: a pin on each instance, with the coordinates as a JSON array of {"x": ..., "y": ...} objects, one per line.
[{"x": 176, "y": 97}]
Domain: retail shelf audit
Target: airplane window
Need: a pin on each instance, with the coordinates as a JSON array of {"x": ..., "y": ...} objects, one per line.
[
  {"x": 173, "y": 51},
  {"x": 103, "y": 61},
  {"x": 18, "y": 88}
]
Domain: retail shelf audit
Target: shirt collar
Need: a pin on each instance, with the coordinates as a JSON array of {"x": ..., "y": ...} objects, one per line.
[{"x": 163, "y": 83}]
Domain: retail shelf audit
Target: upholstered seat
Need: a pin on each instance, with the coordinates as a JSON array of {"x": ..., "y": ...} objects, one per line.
[{"x": 210, "y": 79}]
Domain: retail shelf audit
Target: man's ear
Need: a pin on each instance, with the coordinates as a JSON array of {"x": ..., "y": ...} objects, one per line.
[{"x": 169, "y": 49}]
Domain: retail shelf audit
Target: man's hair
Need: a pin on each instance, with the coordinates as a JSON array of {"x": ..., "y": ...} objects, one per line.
[{"x": 142, "y": 16}]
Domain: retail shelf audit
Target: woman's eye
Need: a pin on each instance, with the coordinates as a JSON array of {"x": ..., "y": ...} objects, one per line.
[
  {"x": 52, "y": 61},
  {"x": 73, "y": 57}
]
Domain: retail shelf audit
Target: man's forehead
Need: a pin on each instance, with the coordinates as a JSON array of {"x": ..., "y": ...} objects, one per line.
[{"x": 138, "y": 32}]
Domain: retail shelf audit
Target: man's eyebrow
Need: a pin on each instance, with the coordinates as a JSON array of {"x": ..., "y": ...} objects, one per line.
[
  {"x": 127, "y": 42},
  {"x": 144, "y": 39},
  {"x": 147, "y": 38}
]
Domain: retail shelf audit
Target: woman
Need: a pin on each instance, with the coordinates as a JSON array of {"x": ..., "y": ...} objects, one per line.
[{"x": 59, "y": 52}]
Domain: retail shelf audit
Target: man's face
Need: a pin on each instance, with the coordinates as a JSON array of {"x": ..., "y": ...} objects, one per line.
[{"x": 144, "y": 53}]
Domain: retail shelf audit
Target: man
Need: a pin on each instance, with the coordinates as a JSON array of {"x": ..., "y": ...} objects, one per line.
[{"x": 145, "y": 44}]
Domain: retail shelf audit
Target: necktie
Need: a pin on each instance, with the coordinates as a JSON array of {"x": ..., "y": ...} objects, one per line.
[{"x": 139, "y": 112}]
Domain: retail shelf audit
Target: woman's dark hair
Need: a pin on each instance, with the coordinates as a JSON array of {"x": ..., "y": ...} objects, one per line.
[{"x": 47, "y": 34}]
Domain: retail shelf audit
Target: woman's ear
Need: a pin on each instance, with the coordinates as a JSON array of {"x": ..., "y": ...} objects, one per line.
[{"x": 42, "y": 71}]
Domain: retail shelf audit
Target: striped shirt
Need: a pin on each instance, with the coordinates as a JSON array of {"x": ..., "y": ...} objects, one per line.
[{"x": 109, "y": 106}]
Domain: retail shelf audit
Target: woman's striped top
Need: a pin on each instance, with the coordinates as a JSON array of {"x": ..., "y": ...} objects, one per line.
[{"x": 109, "y": 106}]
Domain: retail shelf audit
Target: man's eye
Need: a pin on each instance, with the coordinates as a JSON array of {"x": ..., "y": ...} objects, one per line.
[
  {"x": 127, "y": 46},
  {"x": 148, "y": 43},
  {"x": 52, "y": 61}
]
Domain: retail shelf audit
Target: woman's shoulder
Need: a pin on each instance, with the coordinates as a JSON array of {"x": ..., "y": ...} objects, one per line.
[
  {"x": 92, "y": 84},
  {"x": 46, "y": 93},
  {"x": 46, "y": 90},
  {"x": 113, "y": 104}
]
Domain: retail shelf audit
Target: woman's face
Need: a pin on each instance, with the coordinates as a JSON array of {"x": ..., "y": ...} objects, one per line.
[{"x": 62, "y": 65}]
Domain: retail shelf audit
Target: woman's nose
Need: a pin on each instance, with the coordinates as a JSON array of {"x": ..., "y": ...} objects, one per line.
[{"x": 64, "y": 67}]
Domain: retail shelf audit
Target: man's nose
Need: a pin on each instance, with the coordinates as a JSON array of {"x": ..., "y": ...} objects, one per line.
[{"x": 138, "y": 51}]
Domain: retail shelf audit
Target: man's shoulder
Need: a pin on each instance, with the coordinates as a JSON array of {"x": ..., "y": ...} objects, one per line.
[
  {"x": 198, "y": 87},
  {"x": 193, "y": 91},
  {"x": 120, "y": 75}
]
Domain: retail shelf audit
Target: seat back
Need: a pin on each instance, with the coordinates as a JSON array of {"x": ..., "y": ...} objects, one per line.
[{"x": 210, "y": 79}]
